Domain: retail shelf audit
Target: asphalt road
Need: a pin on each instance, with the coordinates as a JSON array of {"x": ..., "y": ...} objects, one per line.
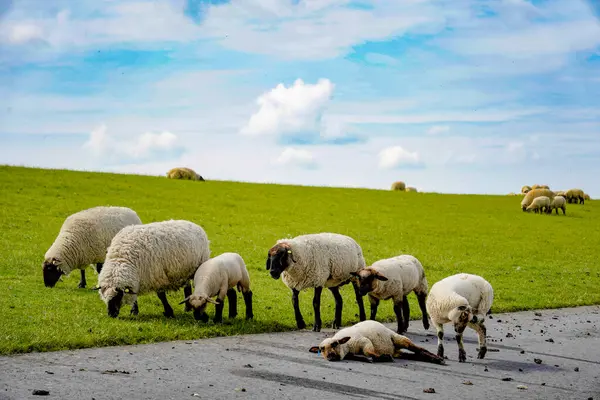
[{"x": 279, "y": 366}]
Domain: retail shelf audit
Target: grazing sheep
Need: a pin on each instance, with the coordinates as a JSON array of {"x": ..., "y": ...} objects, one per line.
[
  {"x": 532, "y": 194},
  {"x": 394, "y": 278},
  {"x": 557, "y": 202},
  {"x": 525, "y": 189},
  {"x": 411, "y": 189},
  {"x": 155, "y": 257},
  {"x": 218, "y": 277},
  {"x": 399, "y": 185},
  {"x": 375, "y": 342},
  {"x": 573, "y": 195},
  {"x": 317, "y": 260},
  {"x": 83, "y": 239},
  {"x": 540, "y": 204},
  {"x": 184, "y": 173},
  {"x": 586, "y": 196},
  {"x": 561, "y": 193},
  {"x": 464, "y": 300}
]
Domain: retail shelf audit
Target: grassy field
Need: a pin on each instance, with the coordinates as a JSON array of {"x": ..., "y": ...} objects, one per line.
[{"x": 533, "y": 261}]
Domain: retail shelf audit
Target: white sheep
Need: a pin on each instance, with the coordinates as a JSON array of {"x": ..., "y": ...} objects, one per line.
[
  {"x": 463, "y": 299},
  {"x": 218, "y": 277},
  {"x": 374, "y": 341},
  {"x": 394, "y": 278},
  {"x": 556, "y": 203},
  {"x": 155, "y": 257},
  {"x": 83, "y": 239},
  {"x": 317, "y": 260},
  {"x": 539, "y": 204}
]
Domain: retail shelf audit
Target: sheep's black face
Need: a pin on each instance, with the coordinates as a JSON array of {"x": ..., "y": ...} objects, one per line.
[
  {"x": 366, "y": 280},
  {"x": 114, "y": 304},
  {"x": 52, "y": 273},
  {"x": 278, "y": 262}
]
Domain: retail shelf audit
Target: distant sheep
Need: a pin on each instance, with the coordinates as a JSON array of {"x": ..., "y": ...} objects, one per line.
[
  {"x": 586, "y": 196},
  {"x": 464, "y": 300},
  {"x": 83, "y": 239},
  {"x": 375, "y": 342},
  {"x": 532, "y": 194},
  {"x": 540, "y": 204},
  {"x": 561, "y": 193},
  {"x": 525, "y": 189},
  {"x": 184, "y": 173},
  {"x": 394, "y": 278},
  {"x": 575, "y": 195},
  {"x": 155, "y": 257},
  {"x": 399, "y": 185},
  {"x": 411, "y": 189},
  {"x": 317, "y": 260},
  {"x": 557, "y": 202}
]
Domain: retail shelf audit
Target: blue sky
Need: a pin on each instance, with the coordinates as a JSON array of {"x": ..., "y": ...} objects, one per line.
[{"x": 458, "y": 96}]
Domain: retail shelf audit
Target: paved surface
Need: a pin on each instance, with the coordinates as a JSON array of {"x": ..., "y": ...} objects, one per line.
[{"x": 279, "y": 366}]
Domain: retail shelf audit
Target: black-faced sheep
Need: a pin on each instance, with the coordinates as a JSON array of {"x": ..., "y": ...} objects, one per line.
[
  {"x": 575, "y": 196},
  {"x": 532, "y": 194}
]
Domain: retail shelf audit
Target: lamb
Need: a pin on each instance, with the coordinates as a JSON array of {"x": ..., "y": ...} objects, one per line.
[
  {"x": 394, "y": 278},
  {"x": 540, "y": 204},
  {"x": 218, "y": 276},
  {"x": 463, "y": 299},
  {"x": 317, "y": 260},
  {"x": 557, "y": 202},
  {"x": 373, "y": 341},
  {"x": 83, "y": 239},
  {"x": 532, "y": 194},
  {"x": 155, "y": 257},
  {"x": 573, "y": 195}
]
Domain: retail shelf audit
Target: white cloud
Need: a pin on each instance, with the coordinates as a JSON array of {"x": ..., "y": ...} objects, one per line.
[
  {"x": 438, "y": 129},
  {"x": 24, "y": 33},
  {"x": 296, "y": 157},
  {"x": 294, "y": 109},
  {"x": 144, "y": 146},
  {"x": 397, "y": 156}
]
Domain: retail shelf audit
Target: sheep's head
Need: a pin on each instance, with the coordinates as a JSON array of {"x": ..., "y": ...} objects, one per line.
[
  {"x": 113, "y": 297},
  {"x": 461, "y": 316},
  {"x": 279, "y": 258},
  {"x": 332, "y": 349},
  {"x": 198, "y": 302},
  {"x": 367, "y": 279},
  {"x": 52, "y": 271}
]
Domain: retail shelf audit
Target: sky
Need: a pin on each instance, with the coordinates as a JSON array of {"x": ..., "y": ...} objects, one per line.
[{"x": 452, "y": 96}]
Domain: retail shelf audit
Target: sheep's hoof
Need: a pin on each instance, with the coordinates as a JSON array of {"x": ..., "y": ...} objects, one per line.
[
  {"x": 481, "y": 353},
  {"x": 462, "y": 356},
  {"x": 81, "y": 285},
  {"x": 316, "y": 327},
  {"x": 440, "y": 351},
  {"x": 301, "y": 324},
  {"x": 169, "y": 314},
  {"x": 426, "y": 325}
]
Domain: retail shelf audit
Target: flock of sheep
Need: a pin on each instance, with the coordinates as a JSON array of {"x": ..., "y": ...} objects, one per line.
[
  {"x": 133, "y": 258},
  {"x": 401, "y": 187},
  {"x": 540, "y": 199}
]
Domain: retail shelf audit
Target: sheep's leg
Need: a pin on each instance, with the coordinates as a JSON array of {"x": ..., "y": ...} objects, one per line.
[
  {"x": 398, "y": 312},
  {"x": 440, "y": 335},
  {"x": 337, "y": 321},
  {"x": 168, "y": 309},
  {"x": 405, "y": 312},
  {"x": 200, "y": 316},
  {"x": 564, "y": 210},
  {"x": 232, "y": 299},
  {"x": 359, "y": 300},
  {"x": 374, "y": 304},
  {"x": 248, "y": 301},
  {"x": 421, "y": 298},
  {"x": 420, "y": 353},
  {"x": 187, "y": 292},
  {"x": 82, "y": 282},
  {"x": 218, "y": 318},
  {"x": 99, "y": 267},
  {"x": 462, "y": 354},
  {"x": 317, "y": 309},
  {"x": 479, "y": 327},
  {"x": 295, "y": 302},
  {"x": 134, "y": 308}
]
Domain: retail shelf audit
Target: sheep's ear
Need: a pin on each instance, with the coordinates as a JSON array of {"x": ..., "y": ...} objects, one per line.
[
  {"x": 210, "y": 300},
  {"x": 184, "y": 300},
  {"x": 314, "y": 349},
  {"x": 380, "y": 277},
  {"x": 462, "y": 308},
  {"x": 344, "y": 340}
]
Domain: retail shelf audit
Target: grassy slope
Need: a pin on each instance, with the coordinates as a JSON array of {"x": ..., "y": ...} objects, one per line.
[{"x": 533, "y": 261}]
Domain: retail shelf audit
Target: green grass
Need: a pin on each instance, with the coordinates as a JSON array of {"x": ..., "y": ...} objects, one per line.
[{"x": 532, "y": 261}]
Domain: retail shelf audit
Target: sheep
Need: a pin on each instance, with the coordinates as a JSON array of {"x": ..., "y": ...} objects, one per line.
[
  {"x": 573, "y": 195},
  {"x": 373, "y": 341},
  {"x": 525, "y": 189},
  {"x": 557, "y": 202},
  {"x": 394, "y": 278},
  {"x": 155, "y": 257},
  {"x": 586, "y": 196},
  {"x": 532, "y": 194},
  {"x": 217, "y": 277},
  {"x": 83, "y": 239},
  {"x": 540, "y": 204},
  {"x": 411, "y": 189},
  {"x": 317, "y": 260},
  {"x": 561, "y": 193},
  {"x": 184, "y": 173},
  {"x": 399, "y": 185},
  {"x": 463, "y": 299}
]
